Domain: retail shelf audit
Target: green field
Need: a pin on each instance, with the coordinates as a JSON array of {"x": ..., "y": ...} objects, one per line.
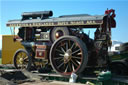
[
  {"x": 0, "y": 57},
  {"x": 0, "y": 60}
]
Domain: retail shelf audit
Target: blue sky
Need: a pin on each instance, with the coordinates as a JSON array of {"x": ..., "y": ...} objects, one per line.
[{"x": 12, "y": 9}]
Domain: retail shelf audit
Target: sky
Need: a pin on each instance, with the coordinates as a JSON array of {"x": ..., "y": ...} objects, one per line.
[{"x": 12, "y": 9}]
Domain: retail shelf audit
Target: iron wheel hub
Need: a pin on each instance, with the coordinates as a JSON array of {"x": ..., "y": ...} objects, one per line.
[{"x": 67, "y": 55}]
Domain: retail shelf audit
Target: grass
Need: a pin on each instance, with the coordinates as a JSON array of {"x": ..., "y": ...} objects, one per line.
[{"x": 0, "y": 61}]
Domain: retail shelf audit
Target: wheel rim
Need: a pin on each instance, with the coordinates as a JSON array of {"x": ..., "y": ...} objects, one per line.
[
  {"x": 67, "y": 56},
  {"x": 21, "y": 60}
]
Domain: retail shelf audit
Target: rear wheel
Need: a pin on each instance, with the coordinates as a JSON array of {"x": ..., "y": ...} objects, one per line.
[
  {"x": 68, "y": 54},
  {"x": 118, "y": 69},
  {"x": 22, "y": 59}
]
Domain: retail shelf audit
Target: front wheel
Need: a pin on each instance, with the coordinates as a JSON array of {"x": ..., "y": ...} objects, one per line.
[
  {"x": 22, "y": 59},
  {"x": 68, "y": 54}
]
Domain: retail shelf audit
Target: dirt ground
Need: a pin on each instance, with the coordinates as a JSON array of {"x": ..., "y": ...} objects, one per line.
[
  {"x": 50, "y": 83},
  {"x": 27, "y": 78}
]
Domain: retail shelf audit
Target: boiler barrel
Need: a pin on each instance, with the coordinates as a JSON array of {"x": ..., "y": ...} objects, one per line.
[{"x": 37, "y": 14}]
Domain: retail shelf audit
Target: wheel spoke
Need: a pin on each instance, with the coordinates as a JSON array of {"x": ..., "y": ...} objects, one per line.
[
  {"x": 59, "y": 51},
  {"x": 74, "y": 62},
  {"x": 80, "y": 53},
  {"x": 25, "y": 58},
  {"x": 73, "y": 68},
  {"x": 69, "y": 42},
  {"x": 78, "y": 62},
  {"x": 61, "y": 54},
  {"x": 17, "y": 61},
  {"x": 76, "y": 57},
  {"x": 66, "y": 69},
  {"x": 60, "y": 64},
  {"x": 72, "y": 46},
  {"x": 66, "y": 45},
  {"x": 76, "y": 51},
  {"x": 26, "y": 61},
  {"x": 70, "y": 66},
  {"x": 18, "y": 57},
  {"x": 22, "y": 66},
  {"x": 22, "y": 54},
  {"x": 62, "y": 49},
  {"x": 58, "y": 58}
]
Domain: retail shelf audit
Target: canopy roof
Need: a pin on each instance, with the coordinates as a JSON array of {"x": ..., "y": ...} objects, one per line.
[{"x": 67, "y": 20}]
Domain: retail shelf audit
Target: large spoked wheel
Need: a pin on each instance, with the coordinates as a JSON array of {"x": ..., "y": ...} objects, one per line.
[
  {"x": 22, "y": 59},
  {"x": 118, "y": 69},
  {"x": 68, "y": 54}
]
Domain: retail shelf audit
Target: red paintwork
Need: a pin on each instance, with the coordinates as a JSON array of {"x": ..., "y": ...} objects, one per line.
[{"x": 111, "y": 11}]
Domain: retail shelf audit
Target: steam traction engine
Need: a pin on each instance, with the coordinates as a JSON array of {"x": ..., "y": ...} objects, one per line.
[{"x": 61, "y": 41}]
